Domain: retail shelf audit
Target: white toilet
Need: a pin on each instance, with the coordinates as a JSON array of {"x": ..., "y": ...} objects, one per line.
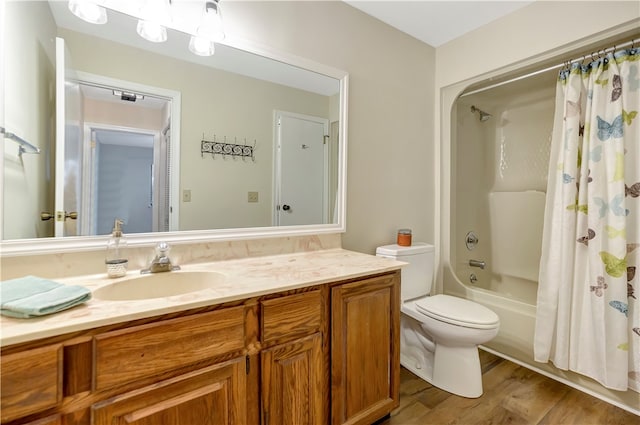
[{"x": 439, "y": 334}]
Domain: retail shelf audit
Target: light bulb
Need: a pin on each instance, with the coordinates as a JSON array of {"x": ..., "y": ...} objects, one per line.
[
  {"x": 151, "y": 31},
  {"x": 211, "y": 24},
  {"x": 201, "y": 46},
  {"x": 88, "y": 11},
  {"x": 154, "y": 17}
]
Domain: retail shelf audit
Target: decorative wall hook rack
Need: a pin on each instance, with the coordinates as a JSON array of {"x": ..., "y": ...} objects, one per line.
[
  {"x": 225, "y": 148},
  {"x": 25, "y": 147}
]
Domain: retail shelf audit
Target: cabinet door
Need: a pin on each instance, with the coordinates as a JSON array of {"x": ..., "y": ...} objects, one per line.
[
  {"x": 293, "y": 382},
  {"x": 30, "y": 381},
  {"x": 213, "y": 395},
  {"x": 365, "y": 344}
]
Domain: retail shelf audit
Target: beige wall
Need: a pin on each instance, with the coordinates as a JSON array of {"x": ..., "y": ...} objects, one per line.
[
  {"x": 31, "y": 84},
  {"x": 123, "y": 115}
]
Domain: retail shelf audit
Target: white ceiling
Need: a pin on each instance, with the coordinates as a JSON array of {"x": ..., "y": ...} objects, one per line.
[{"x": 437, "y": 22}]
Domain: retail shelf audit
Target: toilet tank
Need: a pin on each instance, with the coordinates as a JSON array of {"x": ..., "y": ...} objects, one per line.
[{"x": 417, "y": 276}]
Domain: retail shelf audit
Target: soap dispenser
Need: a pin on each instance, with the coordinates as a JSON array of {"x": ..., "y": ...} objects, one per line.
[{"x": 116, "y": 260}]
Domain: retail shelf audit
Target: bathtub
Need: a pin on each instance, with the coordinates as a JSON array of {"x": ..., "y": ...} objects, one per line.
[{"x": 494, "y": 163}]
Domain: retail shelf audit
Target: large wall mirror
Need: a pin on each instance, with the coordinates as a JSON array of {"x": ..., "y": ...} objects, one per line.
[{"x": 244, "y": 143}]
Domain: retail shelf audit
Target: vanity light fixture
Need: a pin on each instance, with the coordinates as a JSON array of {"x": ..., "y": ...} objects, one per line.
[
  {"x": 88, "y": 11},
  {"x": 209, "y": 31},
  {"x": 154, "y": 15}
]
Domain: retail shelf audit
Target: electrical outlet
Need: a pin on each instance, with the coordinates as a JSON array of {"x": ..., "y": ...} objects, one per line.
[
  {"x": 252, "y": 197},
  {"x": 186, "y": 195}
]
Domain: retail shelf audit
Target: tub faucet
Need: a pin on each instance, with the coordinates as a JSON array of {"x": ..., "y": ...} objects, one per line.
[
  {"x": 477, "y": 263},
  {"x": 161, "y": 262}
]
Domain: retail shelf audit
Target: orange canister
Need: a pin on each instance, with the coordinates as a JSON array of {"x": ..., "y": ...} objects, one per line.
[{"x": 404, "y": 237}]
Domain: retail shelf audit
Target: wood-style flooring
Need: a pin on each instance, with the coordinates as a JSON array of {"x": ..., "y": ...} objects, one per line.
[{"x": 512, "y": 395}]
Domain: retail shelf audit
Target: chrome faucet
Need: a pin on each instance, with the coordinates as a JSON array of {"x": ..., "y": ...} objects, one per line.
[
  {"x": 477, "y": 263},
  {"x": 161, "y": 262}
]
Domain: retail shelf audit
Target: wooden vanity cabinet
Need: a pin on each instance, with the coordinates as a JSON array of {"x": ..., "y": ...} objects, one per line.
[
  {"x": 293, "y": 362},
  {"x": 325, "y": 354},
  {"x": 365, "y": 349}
]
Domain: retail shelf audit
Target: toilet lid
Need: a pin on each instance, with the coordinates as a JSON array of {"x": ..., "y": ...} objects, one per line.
[{"x": 457, "y": 311}]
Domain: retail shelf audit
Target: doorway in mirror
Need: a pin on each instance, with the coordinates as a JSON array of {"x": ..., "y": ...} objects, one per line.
[
  {"x": 125, "y": 161},
  {"x": 124, "y": 182},
  {"x": 127, "y": 129},
  {"x": 301, "y": 170}
]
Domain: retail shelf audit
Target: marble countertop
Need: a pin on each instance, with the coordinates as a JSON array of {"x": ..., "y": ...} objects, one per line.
[{"x": 243, "y": 278}]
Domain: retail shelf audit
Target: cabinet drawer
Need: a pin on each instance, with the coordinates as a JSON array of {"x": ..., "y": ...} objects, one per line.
[
  {"x": 291, "y": 316},
  {"x": 31, "y": 381},
  {"x": 212, "y": 395},
  {"x": 147, "y": 350}
]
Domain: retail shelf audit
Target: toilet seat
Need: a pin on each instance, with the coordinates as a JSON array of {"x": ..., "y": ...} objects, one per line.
[{"x": 457, "y": 311}]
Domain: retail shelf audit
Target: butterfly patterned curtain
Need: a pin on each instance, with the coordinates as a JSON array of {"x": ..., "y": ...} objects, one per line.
[{"x": 588, "y": 315}]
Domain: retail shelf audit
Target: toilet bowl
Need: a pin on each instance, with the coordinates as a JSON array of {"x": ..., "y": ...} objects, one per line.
[
  {"x": 455, "y": 361},
  {"x": 439, "y": 334}
]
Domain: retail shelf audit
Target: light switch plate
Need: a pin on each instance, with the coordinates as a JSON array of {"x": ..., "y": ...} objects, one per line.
[
  {"x": 186, "y": 195},
  {"x": 252, "y": 197}
]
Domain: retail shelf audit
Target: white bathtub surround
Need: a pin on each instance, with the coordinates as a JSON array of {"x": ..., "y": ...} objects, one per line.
[
  {"x": 515, "y": 246},
  {"x": 588, "y": 314}
]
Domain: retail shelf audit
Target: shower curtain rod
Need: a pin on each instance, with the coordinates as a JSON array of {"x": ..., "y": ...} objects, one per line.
[{"x": 550, "y": 68}]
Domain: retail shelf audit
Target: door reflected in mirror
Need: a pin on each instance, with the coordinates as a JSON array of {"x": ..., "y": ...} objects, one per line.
[
  {"x": 289, "y": 115},
  {"x": 117, "y": 153}
]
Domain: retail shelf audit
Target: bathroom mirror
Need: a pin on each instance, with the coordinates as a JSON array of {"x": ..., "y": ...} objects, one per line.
[{"x": 240, "y": 96}]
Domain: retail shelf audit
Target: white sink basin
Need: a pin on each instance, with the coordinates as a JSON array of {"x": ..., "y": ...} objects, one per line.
[{"x": 158, "y": 285}]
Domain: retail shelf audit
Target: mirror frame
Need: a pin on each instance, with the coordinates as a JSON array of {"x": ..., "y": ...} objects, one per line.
[{"x": 52, "y": 245}]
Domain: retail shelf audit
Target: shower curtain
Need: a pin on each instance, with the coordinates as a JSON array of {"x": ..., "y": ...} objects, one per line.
[{"x": 588, "y": 314}]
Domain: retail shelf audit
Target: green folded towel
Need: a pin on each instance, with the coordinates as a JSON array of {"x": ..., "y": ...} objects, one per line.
[{"x": 32, "y": 296}]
